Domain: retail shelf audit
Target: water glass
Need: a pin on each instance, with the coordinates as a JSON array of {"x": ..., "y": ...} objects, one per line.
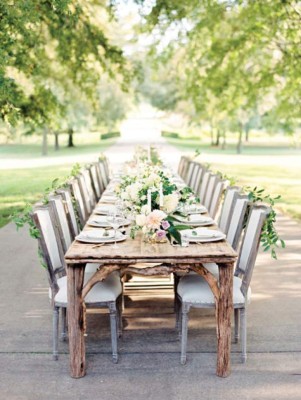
[{"x": 185, "y": 239}]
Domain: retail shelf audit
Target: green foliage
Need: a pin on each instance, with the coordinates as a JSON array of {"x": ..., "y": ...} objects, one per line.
[
  {"x": 109, "y": 135},
  {"x": 235, "y": 62},
  {"x": 50, "y": 50},
  {"x": 270, "y": 239},
  {"x": 170, "y": 134}
]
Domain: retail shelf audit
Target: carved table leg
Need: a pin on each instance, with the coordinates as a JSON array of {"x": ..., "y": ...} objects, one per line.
[
  {"x": 223, "y": 315},
  {"x": 75, "y": 276}
]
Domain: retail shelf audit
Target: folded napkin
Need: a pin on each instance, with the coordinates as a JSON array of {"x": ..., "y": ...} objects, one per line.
[{"x": 202, "y": 233}]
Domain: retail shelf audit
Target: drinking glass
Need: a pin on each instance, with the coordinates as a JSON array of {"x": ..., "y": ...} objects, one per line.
[
  {"x": 185, "y": 239},
  {"x": 114, "y": 221}
]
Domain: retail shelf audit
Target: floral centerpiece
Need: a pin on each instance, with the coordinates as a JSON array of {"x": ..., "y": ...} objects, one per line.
[{"x": 157, "y": 227}]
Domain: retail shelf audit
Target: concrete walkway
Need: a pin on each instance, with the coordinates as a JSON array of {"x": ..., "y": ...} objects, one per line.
[{"x": 149, "y": 365}]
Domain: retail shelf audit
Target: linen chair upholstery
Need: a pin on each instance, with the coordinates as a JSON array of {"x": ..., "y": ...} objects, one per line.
[
  {"x": 103, "y": 294},
  {"x": 194, "y": 292}
]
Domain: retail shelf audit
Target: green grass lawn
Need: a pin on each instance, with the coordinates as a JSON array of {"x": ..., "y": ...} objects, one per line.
[
  {"x": 20, "y": 186},
  {"x": 275, "y": 167}
]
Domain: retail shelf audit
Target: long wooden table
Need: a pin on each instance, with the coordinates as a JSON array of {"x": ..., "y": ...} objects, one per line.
[{"x": 126, "y": 259}]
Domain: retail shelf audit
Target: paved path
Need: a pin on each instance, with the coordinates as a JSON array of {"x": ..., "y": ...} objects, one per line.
[{"x": 149, "y": 350}]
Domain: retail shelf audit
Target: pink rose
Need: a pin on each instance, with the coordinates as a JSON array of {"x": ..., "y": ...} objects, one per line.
[
  {"x": 161, "y": 234},
  {"x": 165, "y": 225}
]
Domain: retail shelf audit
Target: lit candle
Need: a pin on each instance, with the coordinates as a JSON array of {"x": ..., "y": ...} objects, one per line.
[
  {"x": 149, "y": 200},
  {"x": 161, "y": 195}
]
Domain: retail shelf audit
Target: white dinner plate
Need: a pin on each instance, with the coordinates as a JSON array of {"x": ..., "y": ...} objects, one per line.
[
  {"x": 204, "y": 235},
  {"x": 105, "y": 209},
  {"x": 101, "y": 221},
  {"x": 100, "y": 236},
  {"x": 108, "y": 199}
]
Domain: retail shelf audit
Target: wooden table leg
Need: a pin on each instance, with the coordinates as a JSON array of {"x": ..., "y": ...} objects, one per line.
[
  {"x": 223, "y": 314},
  {"x": 75, "y": 277}
]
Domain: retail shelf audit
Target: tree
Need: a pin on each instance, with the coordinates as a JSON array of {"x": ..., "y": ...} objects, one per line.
[{"x": 46, "y": 46}]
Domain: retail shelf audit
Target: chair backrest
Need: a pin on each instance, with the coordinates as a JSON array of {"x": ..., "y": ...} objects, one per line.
[
  {"x": 85, "y": 194},
  {"x": 95, "y": 181},
  {"x": 49, "y": 245},
  {"x": 87, "y": 176},
  {"x": 103, "y": 173},
  {"x": 249, "y": 247},
  {"x": 99, "y": 176},
  {"x": 80, "y": 206},
  {"x": 212, "y": 182},
  {"x": 70, "y": 211},
  {"x": 204, "y": 186},
  {"x": 217, "y": 195},
  {"x": 237, "y": 219},
  {"x": 227, "y": 207},
  {"x": 57, "y": 207},
  {"x": 198, "y": 179},
  {"x": 185, "y": 168},
  {"x": 193, "y": 180},
  {"x": 190, "y": 169},
  {"x": 181, "y": 165}
]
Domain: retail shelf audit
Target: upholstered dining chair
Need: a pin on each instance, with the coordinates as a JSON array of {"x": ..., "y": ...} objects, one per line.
[
  {"x": 103, "y": 294},
  {"x": 193, "y": 291}
]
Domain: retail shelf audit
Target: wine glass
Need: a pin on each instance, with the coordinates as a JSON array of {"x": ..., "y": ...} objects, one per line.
[{"x": 114, "y": 221}]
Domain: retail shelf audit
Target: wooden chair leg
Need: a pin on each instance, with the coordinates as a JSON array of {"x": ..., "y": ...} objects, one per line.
[
  {"x": 236, "y": 325},
  {"x": 64, "y": 324},
  {"x": 113, "y": 324},
  {"x": 176, "y": 280},
  {"x": 243, "y": 330},
  {"x": 185, "y": 310},
  {"x": 178, "y": 313},
  {"x": 55, "y": 332}
]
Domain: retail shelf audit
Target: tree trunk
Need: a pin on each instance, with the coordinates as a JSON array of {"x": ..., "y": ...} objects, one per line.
[
  {"x": 218, "y": 136},
  {"x": 224, "y": 141},
  {"x": 212, "y": 137},
  {"x": 56, "y": 141},
  {"x": 247, "y": 130},
  {"x": 45, "y": 142},
  {"x": 239, "y": 143},
  {"x": 70, "y": 138}
]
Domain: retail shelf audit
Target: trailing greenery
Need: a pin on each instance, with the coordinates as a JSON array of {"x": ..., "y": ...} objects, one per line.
[
  {"x": 24, "y": 217},
  {"x": 270, "y": 239}
]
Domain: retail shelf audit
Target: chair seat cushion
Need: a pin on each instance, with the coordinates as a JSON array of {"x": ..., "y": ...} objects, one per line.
[
  {"x": 194, "y": 289},
  {"x": 105, "y": 291}
]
